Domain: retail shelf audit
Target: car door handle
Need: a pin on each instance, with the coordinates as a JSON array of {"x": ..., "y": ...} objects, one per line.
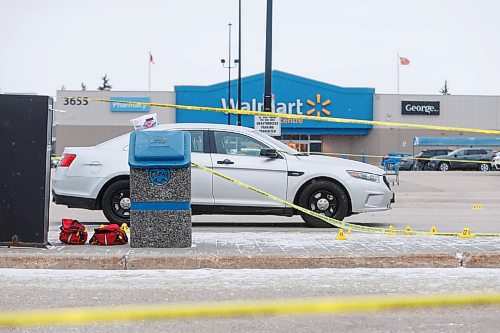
[{"x": 226, "y": 161}]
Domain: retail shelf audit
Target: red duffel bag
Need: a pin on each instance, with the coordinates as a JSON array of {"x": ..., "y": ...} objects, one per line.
[
  {"x": 109, "y": 235},
  {"x": 73, "y": 232}
]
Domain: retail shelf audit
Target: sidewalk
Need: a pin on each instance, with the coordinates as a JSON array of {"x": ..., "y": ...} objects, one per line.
[{"x": 234, "y": 250}]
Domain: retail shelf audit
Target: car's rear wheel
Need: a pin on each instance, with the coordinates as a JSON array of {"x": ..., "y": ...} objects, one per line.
[
  {"x": 443, "y": 166},
  {"x": 325, "y": 198},
  {"x": 484, "y": 167},
  {"x": 116, "y": 202}
]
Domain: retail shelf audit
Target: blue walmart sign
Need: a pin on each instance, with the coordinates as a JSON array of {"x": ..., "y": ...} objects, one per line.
[
  {"x": 293, "y": 95},
  {"x": 125, "y": 107}
]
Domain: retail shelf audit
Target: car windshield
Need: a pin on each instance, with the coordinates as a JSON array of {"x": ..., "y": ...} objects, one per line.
[
  {"x": 281, "y": 146},
  {"x": 457, "y": 152}
]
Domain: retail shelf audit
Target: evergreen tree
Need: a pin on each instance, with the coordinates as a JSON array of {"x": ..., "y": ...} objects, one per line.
[
  {"x": 444, "y": 90},
  {"x": 105, "y": 83}
]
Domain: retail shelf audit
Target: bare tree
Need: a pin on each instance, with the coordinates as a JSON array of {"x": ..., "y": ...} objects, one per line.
[
  {"x": 84, "y": 86},
  {"x": 105, "y": 83},
  {"x": 444, "y": 90}
]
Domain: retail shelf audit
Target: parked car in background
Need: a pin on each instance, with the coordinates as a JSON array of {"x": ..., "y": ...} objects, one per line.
[
  {"x": 496, "y": 160},
  {"x": 98, "y": 177},
  {"x": 391, "y": 160},
  {"x": 54, "y": 160},
  {"x": 463, "y": 159},
  {"x": 427, "y": 154},
  {"x": 407, "y": 164}
]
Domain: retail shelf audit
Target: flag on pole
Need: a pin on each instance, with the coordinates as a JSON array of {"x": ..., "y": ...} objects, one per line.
[
  {"x": 151, "y": 61},
  {"x": 404, "y": 61}
]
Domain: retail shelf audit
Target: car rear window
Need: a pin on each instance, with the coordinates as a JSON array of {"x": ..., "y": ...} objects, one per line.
[{"x": 118, "y": 142}]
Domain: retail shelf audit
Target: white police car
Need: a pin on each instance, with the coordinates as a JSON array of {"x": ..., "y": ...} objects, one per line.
[{"x": 98, "y": 177}]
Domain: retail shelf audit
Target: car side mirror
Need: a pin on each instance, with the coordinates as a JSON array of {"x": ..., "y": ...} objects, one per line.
[
  {"x": 269, "y": 152},
  {"x": 455, "y": 155}
]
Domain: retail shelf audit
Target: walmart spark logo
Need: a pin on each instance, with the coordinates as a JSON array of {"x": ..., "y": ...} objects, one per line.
[{"x": 318, "y": 107}]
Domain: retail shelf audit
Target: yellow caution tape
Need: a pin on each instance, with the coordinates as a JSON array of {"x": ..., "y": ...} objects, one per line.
[
  {"x": 334, "y": 222},
  {"x": 339, "y": 224},
  {"x": 403, "y": 158},
  {"x": 294, "y": 116},
  {"x": 67, "y": 316}
]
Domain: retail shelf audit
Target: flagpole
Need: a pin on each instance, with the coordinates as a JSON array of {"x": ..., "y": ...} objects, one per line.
[{"x": 398, "y": 71}]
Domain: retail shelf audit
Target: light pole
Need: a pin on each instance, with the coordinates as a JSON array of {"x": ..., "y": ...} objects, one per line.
[
  {"x": 239, "y": 61},
  {"x": 269, "y": 51},
  {"x": 229, "y": 67}
]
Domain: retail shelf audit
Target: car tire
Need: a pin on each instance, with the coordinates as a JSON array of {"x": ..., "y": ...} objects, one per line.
[
  {"x": 444, "y": 166},
  {"x": 326, "y": 198},
  {"x": 484, "y": 167},
  {"x": 116, "y": 202}
]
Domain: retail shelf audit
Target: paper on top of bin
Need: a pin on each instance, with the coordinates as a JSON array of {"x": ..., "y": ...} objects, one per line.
[{"x": 143, "y": 122}]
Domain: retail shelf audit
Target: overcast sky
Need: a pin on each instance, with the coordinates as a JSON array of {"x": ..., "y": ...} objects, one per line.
[{"x": 50, "y": 43}]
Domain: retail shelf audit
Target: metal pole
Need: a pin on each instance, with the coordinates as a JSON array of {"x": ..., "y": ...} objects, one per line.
[
  {"x": 229, "y": 81},
  {"x": 398, "y": 71},
  {"x": 269, "y": 46},
  {"x": 239, "y": 61}
]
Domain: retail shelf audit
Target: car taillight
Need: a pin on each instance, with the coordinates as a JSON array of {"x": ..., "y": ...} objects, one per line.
[{"x": 66, "y": 160}]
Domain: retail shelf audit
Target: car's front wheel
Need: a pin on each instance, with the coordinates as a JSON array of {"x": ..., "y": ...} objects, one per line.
[
  {"x": 444, "y": 166},
  {"x": 116, "y": 202},
  {"x": 326, "y": 198}
]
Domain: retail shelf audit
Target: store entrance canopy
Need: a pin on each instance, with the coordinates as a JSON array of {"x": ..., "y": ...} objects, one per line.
[{"x": 456, "y": 141}]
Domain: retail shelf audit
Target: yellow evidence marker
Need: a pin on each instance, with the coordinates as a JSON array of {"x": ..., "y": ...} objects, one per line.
[
  {"x": 340, "y": 235},
  {"x": 125, "y": 228},
  {"x": 391, "y": 231},
  {"x": 466, "y": 233},
  {"x": 408, "y": 231}
]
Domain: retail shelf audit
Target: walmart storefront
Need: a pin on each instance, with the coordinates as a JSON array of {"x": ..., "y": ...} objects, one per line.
[
  {"x": 88, "y": 123},
  {"x": 293, "y": 95}
]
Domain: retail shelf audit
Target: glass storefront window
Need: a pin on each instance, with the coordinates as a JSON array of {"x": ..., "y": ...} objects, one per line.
[{"x": 303, "y": 143}]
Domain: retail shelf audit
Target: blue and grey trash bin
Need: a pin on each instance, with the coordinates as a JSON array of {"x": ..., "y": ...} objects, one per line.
[{"x": 160, "y": 189}]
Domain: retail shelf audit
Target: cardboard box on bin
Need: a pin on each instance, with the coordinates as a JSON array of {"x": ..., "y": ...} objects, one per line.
[{"x": 144, "y": 122}]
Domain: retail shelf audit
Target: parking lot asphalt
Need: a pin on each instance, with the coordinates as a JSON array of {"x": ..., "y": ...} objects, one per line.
[{"x": 422, "y": 200}]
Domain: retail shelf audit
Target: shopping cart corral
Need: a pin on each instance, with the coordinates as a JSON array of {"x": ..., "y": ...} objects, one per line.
[{"x": 390, "y": 163}]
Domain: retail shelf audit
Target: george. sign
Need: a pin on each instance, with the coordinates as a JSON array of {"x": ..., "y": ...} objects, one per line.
[
  {"x": 420, "y": 107},
  {"x": 268, "y": 125},
  {"x": 126, "y": 107}
]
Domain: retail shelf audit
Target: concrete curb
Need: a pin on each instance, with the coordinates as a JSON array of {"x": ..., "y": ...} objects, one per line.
[
  {"x": 482, "y": 260},
  {"x": 152, "y": 261}
]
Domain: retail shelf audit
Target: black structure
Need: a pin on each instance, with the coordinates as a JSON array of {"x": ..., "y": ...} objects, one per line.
[
  {"x": 269, "y": 56},
  {"x": 239, "y": 60},
  {"x": 26, "y": 137}
]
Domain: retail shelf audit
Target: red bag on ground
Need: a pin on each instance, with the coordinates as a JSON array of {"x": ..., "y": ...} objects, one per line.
[
  {"x": 109, "y": 235},
  {"x": 73, "y": 232}
]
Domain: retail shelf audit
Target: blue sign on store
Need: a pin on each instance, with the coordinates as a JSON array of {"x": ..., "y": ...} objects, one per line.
[
  {"x": 126, "y": 107},
  {"x": 293, "y": 95}
]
